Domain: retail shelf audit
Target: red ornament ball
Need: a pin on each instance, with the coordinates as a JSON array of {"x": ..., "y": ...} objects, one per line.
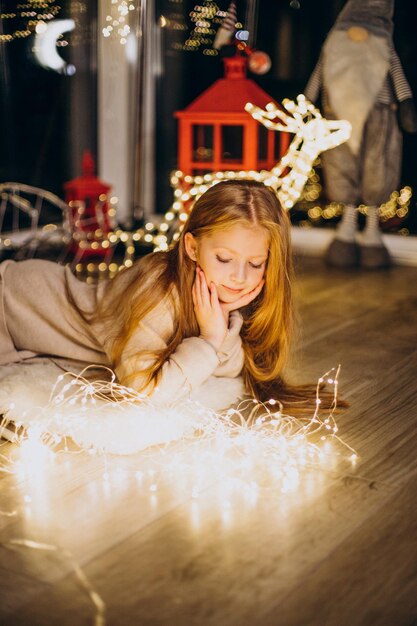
[{"x": 259, "y": 62}]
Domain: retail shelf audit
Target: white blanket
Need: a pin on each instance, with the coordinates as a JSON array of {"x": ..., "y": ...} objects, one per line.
[{"x": 73, "y": 411}]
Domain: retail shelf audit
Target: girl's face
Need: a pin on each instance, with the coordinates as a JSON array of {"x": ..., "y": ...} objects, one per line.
[{"x": 234, "y": 260}]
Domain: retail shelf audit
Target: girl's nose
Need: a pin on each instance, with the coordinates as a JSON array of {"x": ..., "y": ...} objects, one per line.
[{"x": 239, "y": 273}]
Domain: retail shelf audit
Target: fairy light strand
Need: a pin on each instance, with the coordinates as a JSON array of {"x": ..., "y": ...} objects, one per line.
[
  {"x": 206, "y": 18},
  {"x": 32, "y": 14},
  {"x": 117, "y": 21},
  {"x": 75, "y": 401}
]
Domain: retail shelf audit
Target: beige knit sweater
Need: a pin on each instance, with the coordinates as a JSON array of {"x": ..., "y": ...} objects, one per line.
[{"x": 37, "y": 318}]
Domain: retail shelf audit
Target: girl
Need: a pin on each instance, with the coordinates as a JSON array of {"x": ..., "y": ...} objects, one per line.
[{"x": 218, "y": 303}]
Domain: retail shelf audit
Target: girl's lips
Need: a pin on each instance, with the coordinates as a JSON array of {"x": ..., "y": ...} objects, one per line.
[{"x": 232, "y": 290}]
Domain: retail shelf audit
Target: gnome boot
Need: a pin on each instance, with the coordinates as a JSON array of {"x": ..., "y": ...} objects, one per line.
[
  {"x": 373, "y": 253},
  {"x": 344, "y": 251}
]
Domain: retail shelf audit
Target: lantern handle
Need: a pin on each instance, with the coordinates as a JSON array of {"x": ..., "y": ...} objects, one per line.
[{"x": 88, "y": 164}]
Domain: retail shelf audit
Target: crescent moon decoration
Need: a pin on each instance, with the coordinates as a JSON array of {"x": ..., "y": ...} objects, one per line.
[
  {"x": 45, "y": 48},
  {"x": 28, "y": 15}
]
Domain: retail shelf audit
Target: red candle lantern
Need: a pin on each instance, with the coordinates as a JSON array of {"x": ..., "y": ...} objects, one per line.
[
  {"x": 217, "y": 134},
  {"x": 90, "y": 216}
]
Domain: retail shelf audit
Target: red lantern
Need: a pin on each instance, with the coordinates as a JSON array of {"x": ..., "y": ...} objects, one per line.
[
  {"x": 90, "y": 217},
  {"x": 217, "y": 134}
]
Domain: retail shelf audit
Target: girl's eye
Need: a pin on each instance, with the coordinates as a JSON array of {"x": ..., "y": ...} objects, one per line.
[
  {"x": 222, "y": 260},
  {"x": 256, "y": 267}
]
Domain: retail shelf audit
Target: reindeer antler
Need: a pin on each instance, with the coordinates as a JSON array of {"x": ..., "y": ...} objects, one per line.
[
  {"x": 302, "y": 114},
  {"x": 271, "y": 112},
  {"x": 313, "y": 134}
]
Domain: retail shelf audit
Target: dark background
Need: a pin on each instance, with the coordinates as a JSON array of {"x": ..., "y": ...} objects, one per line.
[{"x": 36, "y": 131}]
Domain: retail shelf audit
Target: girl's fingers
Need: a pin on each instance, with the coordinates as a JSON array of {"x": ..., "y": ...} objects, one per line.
[
  {"x": 255, "y": 292},
  {"x": 194, "y": 293},
  {"x": 214, "y": 298},
  {"x": 200, "y": 289},
  {"x": 197, "y": 290},
  {"x": 259, "y": 288},
  {"x": 205, "y": 293},
  {"x": 205, "y": 296}
]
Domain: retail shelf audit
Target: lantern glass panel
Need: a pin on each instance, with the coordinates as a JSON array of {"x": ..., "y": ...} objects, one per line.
[
  {"x": 203, "y": 137},
  {"x": 232, "y": 144},
  {"x": 277, "y": 146},
  {"x": 262, "y": 143}
]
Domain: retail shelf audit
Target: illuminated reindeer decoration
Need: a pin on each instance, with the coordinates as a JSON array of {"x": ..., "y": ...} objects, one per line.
[{"x": 313, "y": 134}]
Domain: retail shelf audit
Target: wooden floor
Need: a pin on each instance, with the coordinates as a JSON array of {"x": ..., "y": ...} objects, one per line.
[{"x": 340, "y": 550}]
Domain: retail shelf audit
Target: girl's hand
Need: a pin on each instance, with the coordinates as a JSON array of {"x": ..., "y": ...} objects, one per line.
[
  {"x": 212, "y": 320},
  {"x": 243, "y": 300}
]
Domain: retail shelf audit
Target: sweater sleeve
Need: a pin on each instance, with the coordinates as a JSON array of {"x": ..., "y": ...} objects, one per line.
[{"x": 189, "y": 366}]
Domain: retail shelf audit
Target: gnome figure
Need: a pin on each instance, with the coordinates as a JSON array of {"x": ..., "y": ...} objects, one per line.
[{"x": 361, "y": 80}]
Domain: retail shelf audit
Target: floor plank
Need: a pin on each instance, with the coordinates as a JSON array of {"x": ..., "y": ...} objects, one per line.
[{"x": 370, "y": 578}]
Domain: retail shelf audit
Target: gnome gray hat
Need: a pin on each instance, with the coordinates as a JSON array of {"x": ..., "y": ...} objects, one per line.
[{"x": 374, "y": 15}]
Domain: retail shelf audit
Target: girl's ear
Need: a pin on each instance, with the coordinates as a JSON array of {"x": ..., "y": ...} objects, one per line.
[{"x": 190, "y": 243}]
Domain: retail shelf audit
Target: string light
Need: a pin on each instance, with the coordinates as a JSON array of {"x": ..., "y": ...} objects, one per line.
[
  {"x": 206, "y": 17},
  {"x": 33, "y": 14},
  {"x": 397, "y": 206},
  {"x": 117, "y": 22},
  {"x": 246, "y": 442},
  {"x": 148, "y": 235}
]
